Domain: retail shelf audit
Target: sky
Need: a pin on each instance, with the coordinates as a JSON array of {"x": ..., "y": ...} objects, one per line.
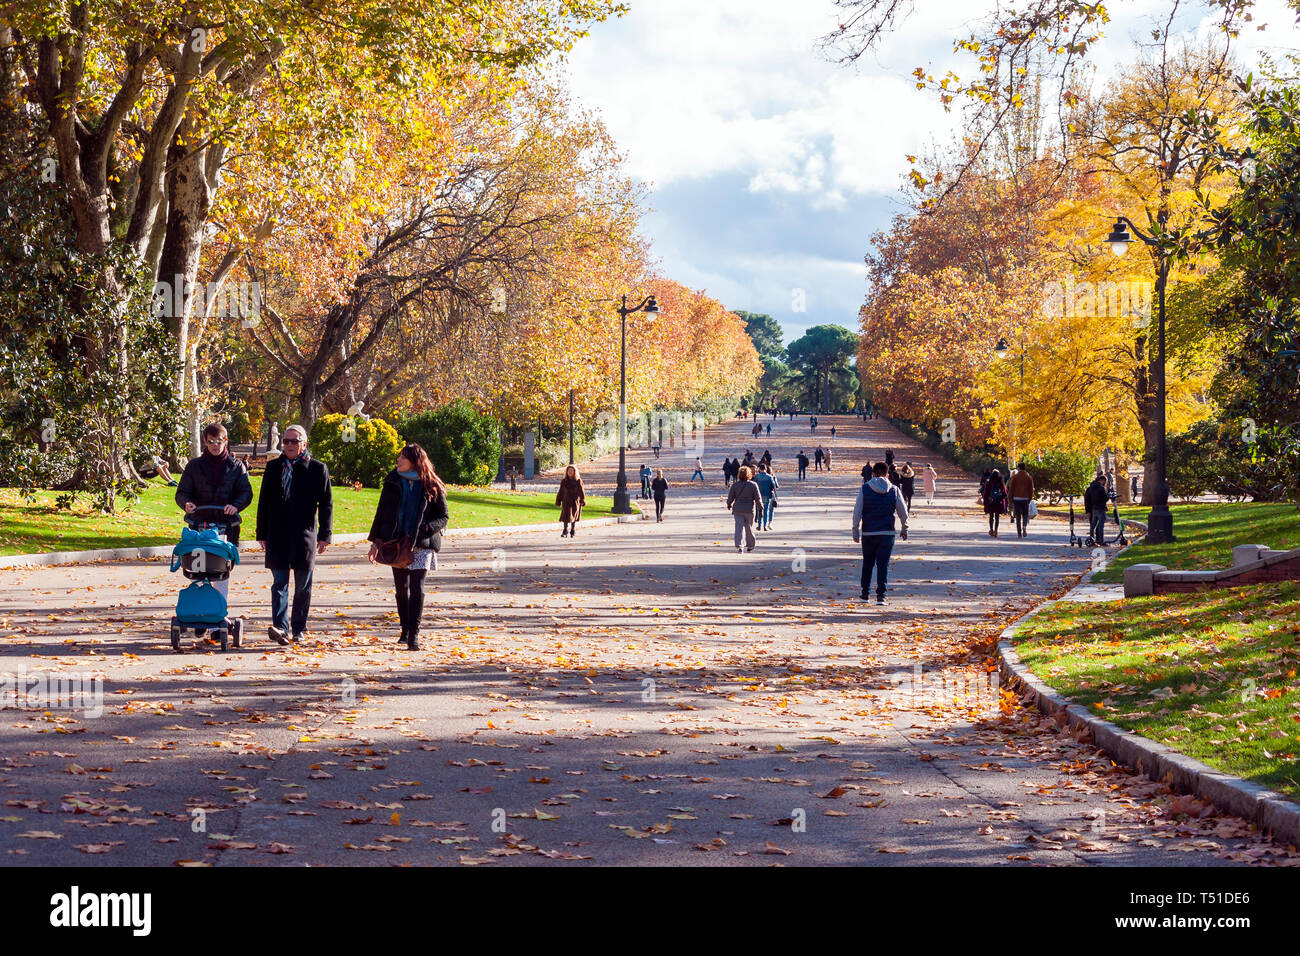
[{"x": 769, "y": 166}]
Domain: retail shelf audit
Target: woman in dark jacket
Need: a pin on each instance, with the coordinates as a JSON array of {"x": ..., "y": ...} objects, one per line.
[
  {"x": 660, "y": 488},
  {"x": 413, "y": 502},
  {"x": 570, "y": 498},
  {"x": 995, "y": 501}
]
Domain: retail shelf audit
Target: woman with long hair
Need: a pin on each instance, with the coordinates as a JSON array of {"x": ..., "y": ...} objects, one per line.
[
  {"x": 660, "y": 488},
  {"x": 995, "y": 501},
  {"x": 412, "y": 502},
  {"x": 570, "y": 498}
]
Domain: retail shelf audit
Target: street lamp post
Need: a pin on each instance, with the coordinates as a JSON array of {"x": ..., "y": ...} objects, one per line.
[
  {"x": 1160, "y": 523},
  {"x": 648, "y": 305},
  {"x": 1001, "y": 351}
]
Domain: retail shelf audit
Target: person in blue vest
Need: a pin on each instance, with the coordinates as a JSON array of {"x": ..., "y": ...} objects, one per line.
[
  {"x": 873, "y": 524},
  {"x": 767, "y": 485}
]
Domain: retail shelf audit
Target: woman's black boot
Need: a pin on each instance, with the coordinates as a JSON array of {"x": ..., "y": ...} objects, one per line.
[{"x": 413, "y": 639}]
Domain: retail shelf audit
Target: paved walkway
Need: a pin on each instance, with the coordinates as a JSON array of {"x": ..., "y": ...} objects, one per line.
[{"x": 640, "y": 693}]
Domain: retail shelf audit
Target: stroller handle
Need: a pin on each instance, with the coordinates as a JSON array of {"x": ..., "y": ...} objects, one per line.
[{"x": 212, "y": 514}]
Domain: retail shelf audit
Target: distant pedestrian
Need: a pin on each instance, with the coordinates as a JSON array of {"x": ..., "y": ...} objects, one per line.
[
  {"x": 1021, "y": 490},
  {"x": 767, "y": 485},
  {"x": 1133, "y": 488},
  {"x": 766, "y": 459},
  {"x": 1094, "y": 504},
  {"x": 929, "y": 476},
  {"x": 726, "y": 472},
  {"x": 699, "y": 470},
  {"x": 659, "y": 486},
  {"x": 802, "y": 459},
  {"x": 656, "y": 446},
  {"x": 646, "y": 475},
  {"x": 826, "y": 459},
  {"x": 995, "y": 501},
  {"x": 818, "y": 455},
  {"x": 412, "y": 503},
  {"x": 570, "y": 498},
  {"x": 769, "y": 428},
  {"x": 873, "y": 524},
  {"x": 889, "y": 457},
  {"x": 743, "y": 500},
  {"x": 907, "y": 483},
  {"x": 894, "y": 477},
  {"x": 984, "y": 482},
  {"x": 832, "y": 431}
]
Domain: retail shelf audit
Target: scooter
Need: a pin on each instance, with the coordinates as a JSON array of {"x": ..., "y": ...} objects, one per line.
[
  {"x": 1114, "y": 504},
  {"x": 1075, "y": 540}
]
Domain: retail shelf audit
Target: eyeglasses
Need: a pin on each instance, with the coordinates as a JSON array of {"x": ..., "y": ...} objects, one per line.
[
  {"x": 290, "y": 441},
  {"x": 216, "y": 441}
]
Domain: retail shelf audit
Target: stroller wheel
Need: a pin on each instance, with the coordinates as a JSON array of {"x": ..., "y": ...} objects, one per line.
[
  {"x": 176, "y": 639},
  {"x": 1089, "y": 541},
  {"x": 220, "y": 636}
]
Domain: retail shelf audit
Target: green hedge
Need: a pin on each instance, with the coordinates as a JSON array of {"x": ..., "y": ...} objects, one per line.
[
  {"x": 355, "y": 448},
  {"x": 1058, "y": 474},
  {"x": 463, "y": 443}
]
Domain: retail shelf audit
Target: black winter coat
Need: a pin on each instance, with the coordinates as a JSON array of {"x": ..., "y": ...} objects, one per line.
[
  {"x": 432, "y": 522},
  {"x": 1095, "y": 498},
  {"x": 289, "y": 527},
  {"x": 231, "y": 488}
]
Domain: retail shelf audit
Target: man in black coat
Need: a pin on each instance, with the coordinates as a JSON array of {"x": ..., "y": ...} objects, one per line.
[
  {"x": 1094, "y": 503},
  {"x": 216, "y": 478},
  {"x": 294, "y": 489}
]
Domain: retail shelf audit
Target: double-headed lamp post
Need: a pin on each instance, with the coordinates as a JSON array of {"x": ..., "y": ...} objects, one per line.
[
  {"x": 1160, "y": 523},
  {"x": 1003, "y": 350},
  {"x": 648, "y": 305}
]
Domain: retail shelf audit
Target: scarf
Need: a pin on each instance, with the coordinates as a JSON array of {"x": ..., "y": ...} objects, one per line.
[
  {"x": 216, "y": 464},
  {"x": 286, "y": 474},
  {"x": 411, "y": 509}
]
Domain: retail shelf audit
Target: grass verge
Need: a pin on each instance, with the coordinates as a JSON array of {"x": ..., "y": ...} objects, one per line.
[
  {"x": 39, "y": 527},
  {"x": 1211, "y": 674}
]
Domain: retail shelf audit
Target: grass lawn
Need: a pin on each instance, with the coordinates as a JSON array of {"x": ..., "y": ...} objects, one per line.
[
  {"x": 155, "y": 519},
  {"x": 1211, "y": 674},
  {"x": 1206, "y": 535}
]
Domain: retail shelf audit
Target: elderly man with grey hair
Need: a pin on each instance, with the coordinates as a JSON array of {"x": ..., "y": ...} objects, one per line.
[{"x": 295, "y": 489}]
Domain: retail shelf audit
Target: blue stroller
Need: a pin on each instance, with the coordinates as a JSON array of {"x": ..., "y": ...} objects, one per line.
[{"x": 205, "y": 557}]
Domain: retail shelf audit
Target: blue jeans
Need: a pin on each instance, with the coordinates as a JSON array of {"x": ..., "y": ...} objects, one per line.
[
  {"x": 697, "y": 472},
  {"x": 280, "y": 598},
  {"x": 1097, "y": 525},
  {"x": 766, "y": 513},
  {"x": 876, "y": 549}
]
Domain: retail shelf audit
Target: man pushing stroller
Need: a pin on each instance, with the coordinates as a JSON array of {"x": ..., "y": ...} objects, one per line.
[{"x": 216, "y": 478}]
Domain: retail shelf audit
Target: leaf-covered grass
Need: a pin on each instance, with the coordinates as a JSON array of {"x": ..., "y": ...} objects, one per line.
[
  {"x": 1206, "y": 534},
  {"x": 1211, "y": 674},
  {"x": 155, "y": 520}
]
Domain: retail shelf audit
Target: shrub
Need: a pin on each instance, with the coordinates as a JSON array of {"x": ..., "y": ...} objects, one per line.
[
  {"x": 1058, "y": 473},
  {"x": 355, "y": 448},
  {"x": 463, "y": 443}
]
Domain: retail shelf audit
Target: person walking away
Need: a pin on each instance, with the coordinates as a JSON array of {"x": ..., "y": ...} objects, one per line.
[
  {"x": 907, "y": 483},
  {"x": 818, "y": 455},
  {"x": 995, "y": 501},
  {"x": 929, "y": 476},
  {"x": 295, "y": 520},
  {"x": 895, "y": 478},
  {"x": 1094, "y": 503},
  {"x": 646, "y": 474},
  {"x": 766, "y": 459},
  {"x": 699, "y": 470},
  {"x": 216, "y": 478},
  {"x": 570, "y": 497},
  {"x": 1021, "y": 490},
  {"x": 832, "y": 431},
  {"x": 767, "y": 485},
  {"x": 1133, "y": 488},
  {"x": 873, "y": 524},
  {"x": 743, "y": 500},
  {"x": 826, "y": 459},
  {"x": 802, "y": 459},
  {"x": 412, "y": 502},
  {"x": 889, "y": 457},
  {"x": 659, "y": 487},
  {"x": 657, "y": 445},
  {"x": 726, "y": 472},
  {"x": 769, "y": 428},
  {"x": 984, "y": 482}
]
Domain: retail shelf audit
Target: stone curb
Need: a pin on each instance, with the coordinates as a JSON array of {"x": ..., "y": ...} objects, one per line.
[
  {"x": 165, "y": 550},
  {"x": 1267, "y": 809}
]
